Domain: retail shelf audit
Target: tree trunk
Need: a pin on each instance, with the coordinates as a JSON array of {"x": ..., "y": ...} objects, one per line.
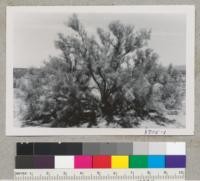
[{"x": 107, "y": 107}]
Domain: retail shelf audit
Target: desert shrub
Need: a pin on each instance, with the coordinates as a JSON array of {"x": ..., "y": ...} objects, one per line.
[{"x": 113, "y": 77}]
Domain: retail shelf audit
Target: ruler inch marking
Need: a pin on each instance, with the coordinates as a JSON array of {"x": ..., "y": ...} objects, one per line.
[{"x": 100, "y": 174}]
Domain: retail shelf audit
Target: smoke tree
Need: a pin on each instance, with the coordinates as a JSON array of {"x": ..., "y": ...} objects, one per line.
[{"x": 112, "y": 75}]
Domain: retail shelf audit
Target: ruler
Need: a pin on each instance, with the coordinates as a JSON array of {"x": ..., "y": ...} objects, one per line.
[{"x": 100, "y": 174}]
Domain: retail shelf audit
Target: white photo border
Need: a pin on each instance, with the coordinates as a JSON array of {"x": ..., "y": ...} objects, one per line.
[{"x": 188, "y": 10}]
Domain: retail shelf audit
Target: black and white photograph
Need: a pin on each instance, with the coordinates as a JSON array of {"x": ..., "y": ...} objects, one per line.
[{"x": 100, "y": 70}]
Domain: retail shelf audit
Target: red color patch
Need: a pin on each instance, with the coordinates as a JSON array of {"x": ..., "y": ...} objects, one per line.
[{"x": 101, "y": 161}]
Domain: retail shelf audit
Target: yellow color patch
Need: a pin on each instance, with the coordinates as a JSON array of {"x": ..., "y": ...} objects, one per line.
[{"x": 120, "y": 162}]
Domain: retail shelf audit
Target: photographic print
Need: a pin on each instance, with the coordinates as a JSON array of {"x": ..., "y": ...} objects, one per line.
[{"x": 100, "y": 70}]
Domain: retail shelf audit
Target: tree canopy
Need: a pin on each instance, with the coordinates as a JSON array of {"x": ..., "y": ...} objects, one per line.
[{"x": 112, "y": 75}]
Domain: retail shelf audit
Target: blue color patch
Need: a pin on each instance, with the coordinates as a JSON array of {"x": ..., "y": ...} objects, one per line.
[{"x": 156, "y": 161}]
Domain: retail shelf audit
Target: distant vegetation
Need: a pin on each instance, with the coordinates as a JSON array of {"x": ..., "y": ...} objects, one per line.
[{"x": 19, "y": 72}]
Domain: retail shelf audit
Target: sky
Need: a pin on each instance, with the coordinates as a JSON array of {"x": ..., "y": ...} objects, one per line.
[{"x": 34, "y": 34}]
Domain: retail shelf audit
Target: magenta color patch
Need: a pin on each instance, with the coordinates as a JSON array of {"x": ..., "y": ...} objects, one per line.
[{"x": 83, "y": 161}]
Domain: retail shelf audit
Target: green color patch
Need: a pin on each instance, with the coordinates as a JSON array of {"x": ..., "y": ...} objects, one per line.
[{"x": 138, "y": 161}]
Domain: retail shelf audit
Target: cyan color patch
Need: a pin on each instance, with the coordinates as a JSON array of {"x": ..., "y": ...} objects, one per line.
[{"x": 156, "y": 161}]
